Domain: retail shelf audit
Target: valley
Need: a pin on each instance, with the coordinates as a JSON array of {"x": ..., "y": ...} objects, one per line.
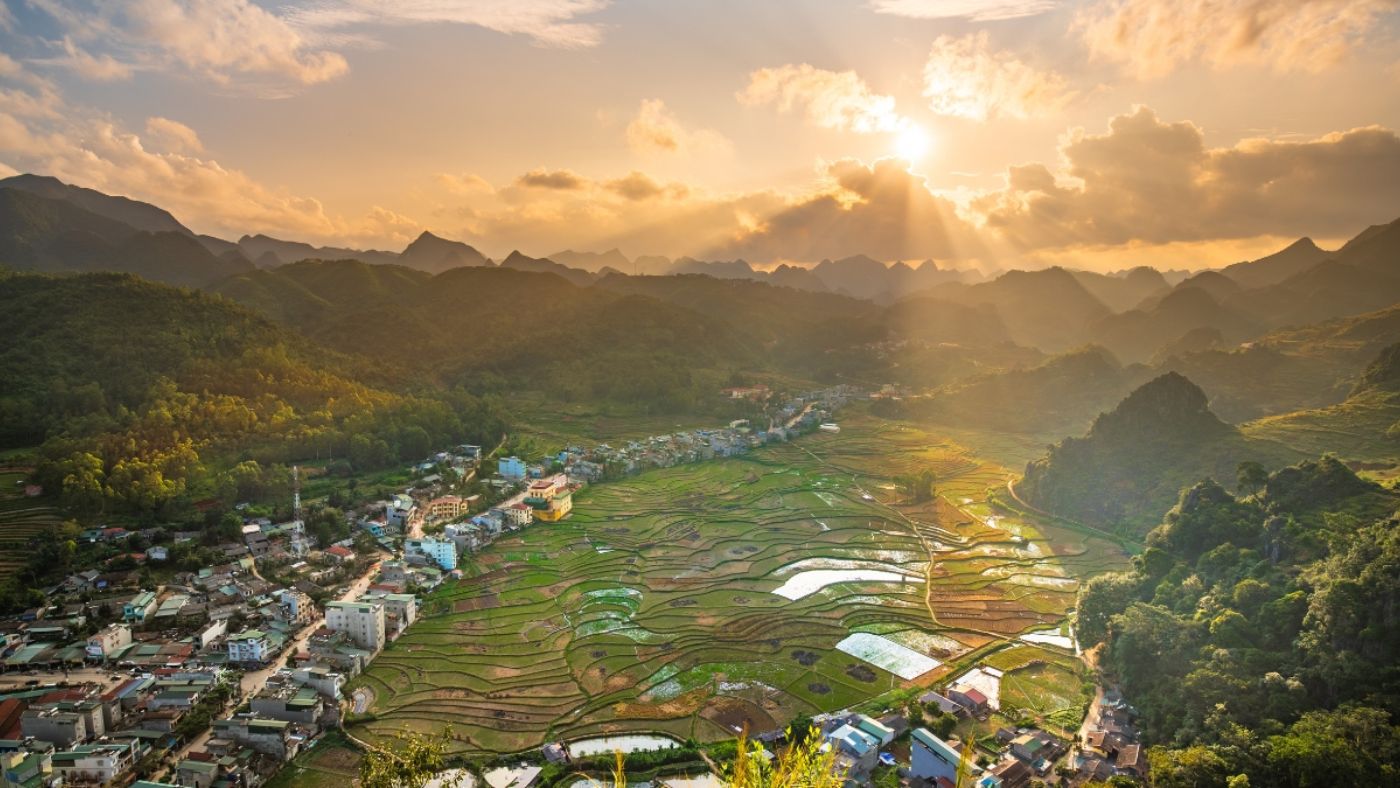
[{"x": 700, "y": 600}]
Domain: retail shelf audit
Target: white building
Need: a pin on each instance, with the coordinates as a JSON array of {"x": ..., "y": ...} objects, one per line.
[
  {"x": 400, "y": 610},
  {"x": 442, "y": 552},
  {"x": 108, "y": 640},
  {"x": 96, "y": 764},
  {"x": 249, "y": 646},
  {"x": 362, "y": 622}
]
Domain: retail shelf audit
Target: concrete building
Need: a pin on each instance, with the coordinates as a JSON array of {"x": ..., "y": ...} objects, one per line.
[
  {"x": 362, "y": 622},
  {"x": 270, "y": 737},
  {"x": 442, "y": 552},
  {"x": 105, "y": 642},
  {"x": 932, "y": 759},
  {"x": 57, "y": 727},
  {"x": 400, "y": 610},
  {"x": 399, "y": 510},
  {"x": 97, "y": 764},
  {"x": 300, "y": 610},
  {"x": 139, "y": 607},
  {"x": 447, "y": 507},
  {"x": 249, "y": 646},
  {"x": 512, "y": 468},
  {"x": 288, "y": 702}
]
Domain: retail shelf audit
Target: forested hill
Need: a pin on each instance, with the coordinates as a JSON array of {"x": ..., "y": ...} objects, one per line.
[
  {"x": 1129, "y": 466},
  {"x": 1257, "y": 635},
  {"x": 146, "y": 395}
]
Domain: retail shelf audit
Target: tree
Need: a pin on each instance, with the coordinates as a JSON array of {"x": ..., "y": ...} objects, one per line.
[
  {"x": 1250, "y": 477},
  {"x": 1100, "y": 599},
  {"x": 411, "y": 762}
]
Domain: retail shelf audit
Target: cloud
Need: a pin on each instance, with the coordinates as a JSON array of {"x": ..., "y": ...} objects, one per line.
[
  {"x": 98, "y": 68},
  {"x": 42, "y": 133},
  {"x": 1146, "y": 180},
  {"x": 655, "y": 129},
  {"x": 830, "y": 99},
  {"x": 551, "y": 179},
  {"x": 219, "y": 39},
  {"x": 548, "y": 22},
  {"x": 638, "y": 186},
  {"x": 173, "y": 135},
  {"x": 1151, "y": 39},
  {"x": 964, "y": 77},
  {"x": 976, "y": 10},
  {"x": 879, "y": 209}
]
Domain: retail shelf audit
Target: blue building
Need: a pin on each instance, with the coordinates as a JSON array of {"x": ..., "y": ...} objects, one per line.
[{"x": 511, "y": 468}]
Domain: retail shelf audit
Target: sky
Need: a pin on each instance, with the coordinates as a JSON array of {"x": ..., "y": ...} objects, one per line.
[{"x": 1099, "y": 134}]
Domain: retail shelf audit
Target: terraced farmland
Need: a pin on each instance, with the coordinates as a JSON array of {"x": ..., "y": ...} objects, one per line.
[
  {"x": 21, "y": 519},
  {"x": 653, "y": 608}
]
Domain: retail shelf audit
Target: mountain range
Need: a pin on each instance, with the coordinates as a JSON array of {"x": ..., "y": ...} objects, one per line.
[{"x": 1139, "y": 315}]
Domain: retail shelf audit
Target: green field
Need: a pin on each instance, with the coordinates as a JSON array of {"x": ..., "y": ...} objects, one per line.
[
  {"x": 652, "y": 607},
  {"x": 21, "y": 519}
]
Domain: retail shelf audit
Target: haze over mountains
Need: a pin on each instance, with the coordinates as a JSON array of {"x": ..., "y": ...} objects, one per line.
[{"x": 984, "y": 338}]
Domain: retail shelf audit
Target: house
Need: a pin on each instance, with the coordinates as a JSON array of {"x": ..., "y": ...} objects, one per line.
[
  {"x": 945, "y": 704},
  {"x": 288, "y": 702},
  {"x": 139, "y": 607},
  {"x": 884, "y": 733},
  {"x": 518, "y": 515},
  {"x": 106, "y": 641},
  {"x": 270, "y": 737},
  {"x": 551, "y": 499},
  {"x": 399, "y": 510},
  {"x": 1012, "y": 773},
  {"x": 1034, "y": 746},
  {"x": 55, "y": 726},
  {"x": 512, "y": 468},
  {"x": 97, "y": 764},
  {"x": 446, "y": 507},
  {"x": 442, "y": 552},
  {"x": 400, "y": 610},
  {"x": 340, "y": 555},
  {"x": 932, "y": 759},
  {"x": 969, "y": 698},
  {"x": 158, "y": 553},
  {"x": 250, "y": 646},
  {"x": 326, "y": 682},
  {"x": 26, "y": 763},
  {"x": 1129, "y": 760},
  {"x": 298, "y": 608},
  {"x": 861, "y": 750},
  {"x": 362, "y": 622}
]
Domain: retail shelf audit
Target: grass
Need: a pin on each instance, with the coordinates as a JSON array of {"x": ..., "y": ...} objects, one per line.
[{"x": 651, "y": 608}]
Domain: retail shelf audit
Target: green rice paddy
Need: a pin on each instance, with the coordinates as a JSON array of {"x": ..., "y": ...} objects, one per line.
[{"x": 652, "y": 608}]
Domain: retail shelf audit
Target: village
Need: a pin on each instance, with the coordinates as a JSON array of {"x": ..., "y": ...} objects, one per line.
[{"x": 221, "y": 675}]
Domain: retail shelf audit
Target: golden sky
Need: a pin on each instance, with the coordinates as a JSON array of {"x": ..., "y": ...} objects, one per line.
[{"x": 1002, "y": 133}]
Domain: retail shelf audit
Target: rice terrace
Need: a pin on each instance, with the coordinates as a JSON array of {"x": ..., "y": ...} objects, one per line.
[{"x": 700, "y": 600}]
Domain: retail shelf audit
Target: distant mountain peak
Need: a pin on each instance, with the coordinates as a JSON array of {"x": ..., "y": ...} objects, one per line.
[{"x": 435, "y": 254}]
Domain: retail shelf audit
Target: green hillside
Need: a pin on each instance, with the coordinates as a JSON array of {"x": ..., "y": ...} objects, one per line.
[{"x": 1128, "y": 468}]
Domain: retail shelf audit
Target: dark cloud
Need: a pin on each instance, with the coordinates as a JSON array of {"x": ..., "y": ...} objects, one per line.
[
  {"x": 1157, "y": 182},
  {"x": 564, "y": 180},
  {"x": 878, "y": 209}
]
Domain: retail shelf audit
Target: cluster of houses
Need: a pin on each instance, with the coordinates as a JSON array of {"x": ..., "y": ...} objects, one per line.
[
  {"x": 95, "y": 734},
  {"x": 861, "y": 743},
  {"x": 1111, "y": 744},
  {"x": 796, "y": 416}
]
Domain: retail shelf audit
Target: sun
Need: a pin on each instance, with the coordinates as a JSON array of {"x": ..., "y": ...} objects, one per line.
[{"x": 911, "y": 143}]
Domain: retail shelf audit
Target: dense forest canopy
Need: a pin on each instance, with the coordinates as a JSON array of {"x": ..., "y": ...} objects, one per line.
[{"x": 1257, "y": 634}]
